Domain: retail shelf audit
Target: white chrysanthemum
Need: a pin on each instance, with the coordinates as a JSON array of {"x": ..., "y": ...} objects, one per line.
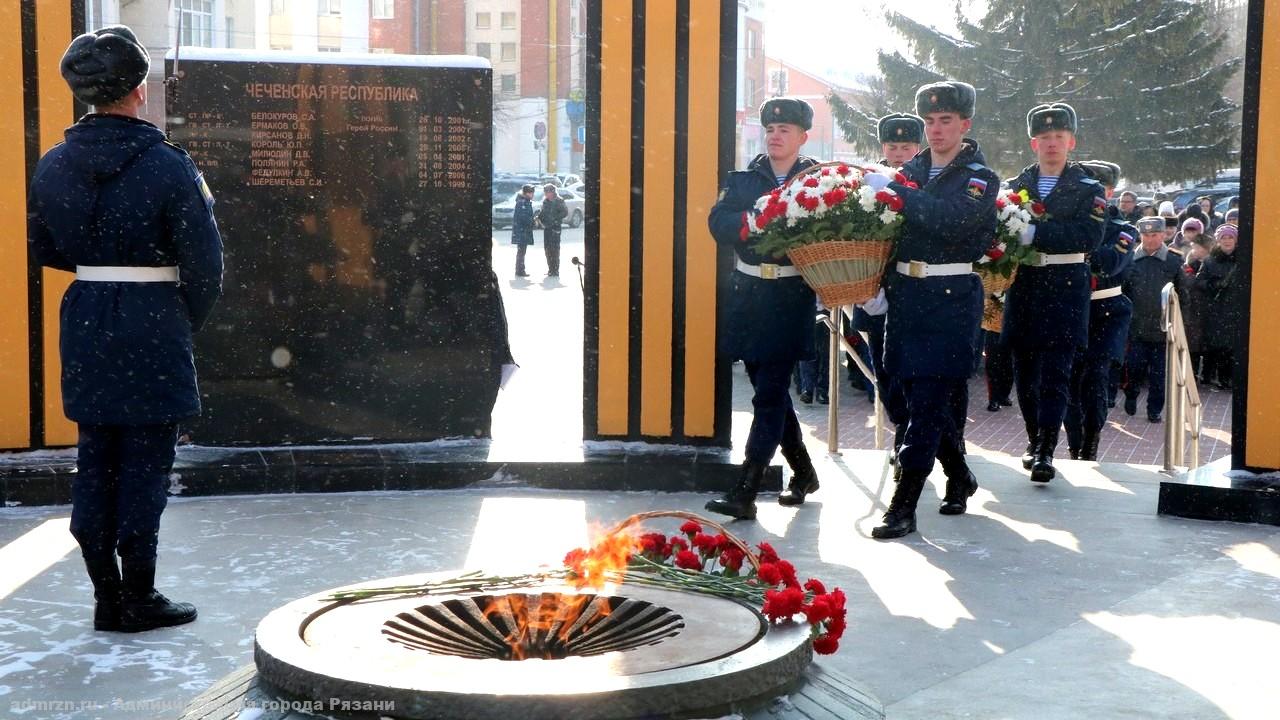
[
  {"x": 867, "y": 198},
  {"x": 888, "y": 216},
  {"x": 794, "y": 213}
]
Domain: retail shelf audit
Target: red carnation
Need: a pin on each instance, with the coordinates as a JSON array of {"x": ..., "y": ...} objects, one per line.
[
  {"x": 995, "y": 253},
  {"x": 834, "y": 196},
  {"x": 807, "y": 201},
  {"x": 837, "y": 601},
  {"x": 911, "y": 185},
  {"x": 732, "y": 558},
  {"x": 770, "y": 574},
  {"x": 815, "y": 586},
  {"x": 836, "y": 625},
  {"x": 678, "y": 543},
  {"x": 818, "y": 610},
  {"x": 842, "y": 169},
  {"x": 767, "y": 553},
  {"x": 782, "y": 604},
  {"x": 811, "y": 182},
  {"x": 690, "y": 528},
  {"x": 788, "y": 573},
  {"x": 896, "y": 203},
  {"x": 1015, "y": 198},
  {"x": 1037, "y": 208},
  {"x": 1000, "y": 203},
  {"x": 884, "y": 196},
  {"x": 706, "y": 544},
  {"x": 899, "y": 178},
  {"x": 825, "y": 645},
  {"x": 688, "y": 560},
  {"x": 655, "y": 544}
]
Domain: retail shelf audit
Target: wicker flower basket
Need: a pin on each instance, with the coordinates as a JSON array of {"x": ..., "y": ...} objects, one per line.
[
  {"x": 843, "y": 272},
  {"x": 995, "y": 284}
]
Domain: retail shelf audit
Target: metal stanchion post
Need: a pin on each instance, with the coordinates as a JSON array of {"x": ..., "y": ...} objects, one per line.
[{"x": 833, "y": 381}]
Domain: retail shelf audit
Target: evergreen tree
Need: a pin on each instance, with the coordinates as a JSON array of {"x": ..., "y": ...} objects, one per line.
[
  {"x": 1142, "y": 77},
  {"x": 858, "y": 120}
]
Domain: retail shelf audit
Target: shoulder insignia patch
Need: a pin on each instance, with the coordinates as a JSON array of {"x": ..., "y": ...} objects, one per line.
[
  {"x": 976, "y": 166},
  {"x": 1099, "y": 208},
  {"x": 205, "y": 192},
  {"x": 1089, "y": 181},
  {"x": 1125, "y": 238},
  {"x": 977, "y": 187}
]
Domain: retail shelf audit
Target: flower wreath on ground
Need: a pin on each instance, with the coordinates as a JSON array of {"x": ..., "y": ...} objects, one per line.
[
  {"x": 716, "y": 564},
  {"x": 691, "y": 561},
  {"x": 1015, "y": 212},
  {"x": 823, "y": 203}
]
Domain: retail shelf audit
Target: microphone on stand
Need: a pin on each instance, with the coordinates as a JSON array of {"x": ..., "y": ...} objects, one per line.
[{"x": 580, "y": 265}]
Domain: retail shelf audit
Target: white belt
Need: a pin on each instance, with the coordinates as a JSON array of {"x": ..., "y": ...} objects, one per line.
[
  {"x": 766, "y": 271},
  {"x": 918, "y": 269},
  {"x": 1041, "y": 259},
  {"x": 1104, "y": 294},
  {"x": 119, "y": 273}
]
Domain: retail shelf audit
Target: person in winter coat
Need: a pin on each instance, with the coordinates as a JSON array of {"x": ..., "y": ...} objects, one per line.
[
  {"x": 1192, "y": 230},
  {"x": 1198, "y": 309},
  {"x": 1046, "y": 317},
  {"x": 522, "y": 227},
  {"x": 1220, "y": 281},
  {"x": 132, "y": 216},
  {"x": 934, "y": 299},
  {"x": 551, "y": 216},
  {"x": 769, "y": 318},
  {"x": 1155, "y": 265}
]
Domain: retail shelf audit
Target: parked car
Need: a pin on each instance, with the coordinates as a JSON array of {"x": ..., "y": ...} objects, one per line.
[{"x": 1182, "y": 198}]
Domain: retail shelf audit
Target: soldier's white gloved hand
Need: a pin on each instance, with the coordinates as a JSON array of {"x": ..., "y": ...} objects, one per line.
[
  {"x": 876, "y": 180},
  {"x": 877, "y": 305},
  {"x": 1028, "y": 234}
]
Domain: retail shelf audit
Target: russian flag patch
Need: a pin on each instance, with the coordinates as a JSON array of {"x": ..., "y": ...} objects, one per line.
[{"x": 977, "y": 186}]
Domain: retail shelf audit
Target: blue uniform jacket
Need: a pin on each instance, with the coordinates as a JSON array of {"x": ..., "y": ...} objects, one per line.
[
  {"x": 115, "y": 193},
  {"x": 766, "y": 320},
  {"x": 1110, "y": 263},
  {"x": 522, "y": 222},
  {"x": 1049, "y": 306},
  {"x": 933, "y": 322}
]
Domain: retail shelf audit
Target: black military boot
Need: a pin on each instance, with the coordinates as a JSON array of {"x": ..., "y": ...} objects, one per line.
[
  {"x": 1042, "y": 469},
  {"x": 740, "y": 502},
  {"x": 901, "y": 518},
  {"x": 1089, "y": 450},
  {"x": 961, "y": 483},
  {"x": 105, "y": 575},
  {"x": 141, "y": 607},
  {"x": 1029, "y": 456},
  {"x": 804, "y": 478}
]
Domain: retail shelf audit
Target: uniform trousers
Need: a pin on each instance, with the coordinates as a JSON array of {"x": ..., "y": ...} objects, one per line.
[
  {"x": 1087, "y": 404},
  {"x": 936, "y": 409},
  {"x": 1145, "y": 365},
  {"x": 999, "y": 367},
  {"x": 891, "y": 394},
  {"x": 551, "y": 246},
  {"x": 120, "y": 488},
  {"x": 1042, "y": 377},
  {"x": 774, "y": 423}
]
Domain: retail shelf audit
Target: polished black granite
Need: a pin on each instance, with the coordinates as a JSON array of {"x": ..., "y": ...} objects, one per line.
[
  {"x": 201, "y": 471},
  {"x": 1209, "y": 493}
]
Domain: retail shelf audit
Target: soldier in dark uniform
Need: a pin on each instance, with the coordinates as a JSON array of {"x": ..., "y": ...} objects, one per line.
[
  {"x": 1154, "y": 266},
  {"x": 935, "y": 298},
  {"x": 133, "y": 218},
  {"x": 770, "y": 315},
  {"x": 1046, "y": 316},
  {"x": 1109, "y": 314},
  {"x": 901, "y": 136}
]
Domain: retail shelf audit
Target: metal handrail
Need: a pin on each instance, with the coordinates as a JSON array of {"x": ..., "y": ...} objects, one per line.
[
  {"x": 1185, "y": 413},
  {"x": 838, "y": 344}
]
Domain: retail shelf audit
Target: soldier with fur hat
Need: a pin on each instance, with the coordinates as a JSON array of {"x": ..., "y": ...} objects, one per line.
[
  {"x": 1046, "y": 316},
  {"x": 934, "y": 299},
  {"x": 769, "y": 321},
  {"x": 131, "y": 215}
]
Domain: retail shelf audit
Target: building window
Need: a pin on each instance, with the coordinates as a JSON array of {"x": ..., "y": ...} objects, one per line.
[
  {"x": 508, "y": 52},
  {"x": 484, "y": 50},
  {"x": 508, "y": 21},
  {"x": 508, "y": 84},
  {"x": 279, "y": 7},
  {"x": 329, "y": 48},
  {"x": 196, "y": 19},
  {"x": 482, "y": 21},
  {"x": 751, "y": 43},
  {"x": 384, "y": 9},
  {"x": 329, "y": 7}
]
